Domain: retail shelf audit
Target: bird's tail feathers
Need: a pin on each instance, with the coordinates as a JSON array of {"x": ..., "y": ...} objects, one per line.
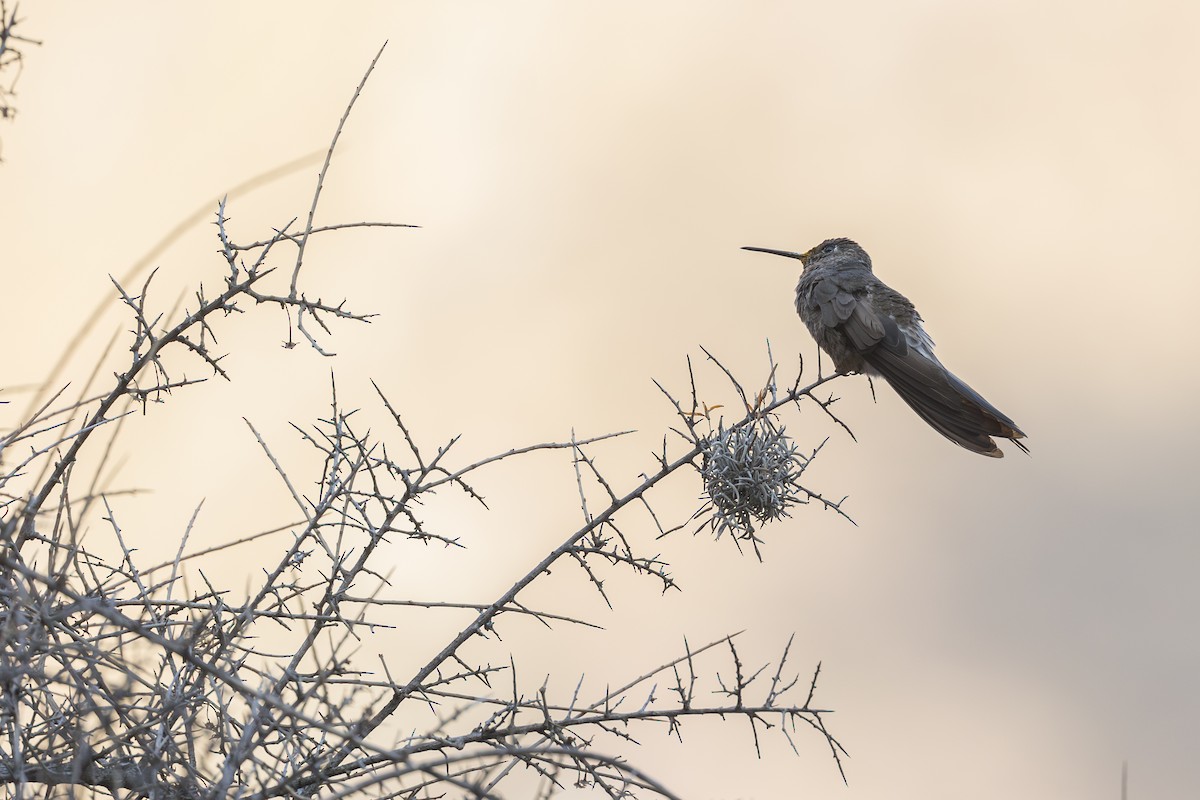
[{"x": 948, "y": 405}]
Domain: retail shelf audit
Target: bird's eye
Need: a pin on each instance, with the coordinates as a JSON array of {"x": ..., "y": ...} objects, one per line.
[{"x": 829, "y": 248}]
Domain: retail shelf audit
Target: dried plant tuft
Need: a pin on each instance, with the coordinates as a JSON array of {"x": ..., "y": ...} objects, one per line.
[{"x": 751, "y": 475}]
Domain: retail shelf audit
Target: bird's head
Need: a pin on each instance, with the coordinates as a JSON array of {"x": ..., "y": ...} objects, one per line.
[{"x": 828, "y": 251}]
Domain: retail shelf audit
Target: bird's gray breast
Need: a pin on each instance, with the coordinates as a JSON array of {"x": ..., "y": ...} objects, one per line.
[{"x": 827, "y": 303}]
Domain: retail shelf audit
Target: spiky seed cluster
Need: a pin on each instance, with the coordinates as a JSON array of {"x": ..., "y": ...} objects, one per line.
[{"x": 751, "y": 475}]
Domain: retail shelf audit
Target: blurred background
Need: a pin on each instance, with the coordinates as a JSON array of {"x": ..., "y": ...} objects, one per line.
[{"x": 584, "y": 175}]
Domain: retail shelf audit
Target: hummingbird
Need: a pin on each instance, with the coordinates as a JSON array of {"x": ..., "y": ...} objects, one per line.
[{"x": 868, "y": 327}]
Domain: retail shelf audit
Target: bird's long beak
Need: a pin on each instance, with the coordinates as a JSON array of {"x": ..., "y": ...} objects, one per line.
[{"x": 788, "y": 254}]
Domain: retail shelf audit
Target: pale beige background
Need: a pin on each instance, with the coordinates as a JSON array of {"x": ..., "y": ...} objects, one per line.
[{"x": 585, "y": 173}]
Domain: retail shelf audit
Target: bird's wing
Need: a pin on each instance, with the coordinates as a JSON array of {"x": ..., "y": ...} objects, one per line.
[
  {"x": 865, "y": 327},
  {"x": 904, "y": 357}
]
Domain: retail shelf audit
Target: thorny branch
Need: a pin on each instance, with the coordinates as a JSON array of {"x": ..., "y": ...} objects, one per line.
[
  {"x": 12, "y": 58},
  {"x": 158, "y": 681}
]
